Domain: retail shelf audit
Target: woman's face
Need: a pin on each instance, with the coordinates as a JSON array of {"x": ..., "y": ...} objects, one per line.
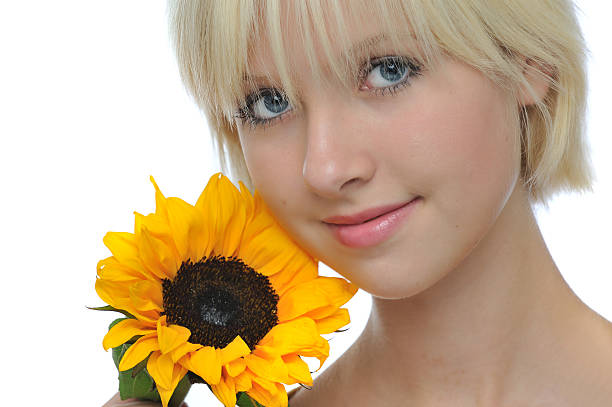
[{"x": 442, "y": 135}]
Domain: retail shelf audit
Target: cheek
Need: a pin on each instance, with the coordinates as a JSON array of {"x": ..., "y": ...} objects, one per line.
[
  {"x": 275, "y": 170},
  {"x": 456, "y": 141}
]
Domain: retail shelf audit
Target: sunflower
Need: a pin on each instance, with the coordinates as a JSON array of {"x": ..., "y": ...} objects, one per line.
[{"x": 220, "y": 290}]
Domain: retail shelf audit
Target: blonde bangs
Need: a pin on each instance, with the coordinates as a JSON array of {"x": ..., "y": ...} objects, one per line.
[{"x": 215, "y": 42}]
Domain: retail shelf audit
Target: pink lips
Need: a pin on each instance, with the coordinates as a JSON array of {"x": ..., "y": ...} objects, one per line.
[{"x": 355, "y": 231}]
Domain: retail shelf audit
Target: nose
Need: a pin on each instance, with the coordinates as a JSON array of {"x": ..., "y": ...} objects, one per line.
[{"x": 337, "y": 157}]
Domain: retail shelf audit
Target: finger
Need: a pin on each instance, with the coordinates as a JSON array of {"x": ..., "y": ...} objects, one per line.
[{"x": 116, "y": 401}]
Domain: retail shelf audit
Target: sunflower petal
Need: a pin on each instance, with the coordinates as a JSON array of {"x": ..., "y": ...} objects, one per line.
[
  {"x": 138, "y": 351},
  {"x": 158, "y": 227},
  {"x": 235, "y": 367},
  {"x": 178, "y": 373},
  {"x": 297, "y": 336},
  {"x": 184, "y": 349},
  {"x": 124, "y": 331},
  {"x": 156, "y": 255},
  {"x": 172, "y": 336},
  {"x": 333, "y": 322},
  {"x": 317, "y": 293},
  {"x": 225, "y": 391},
  {"x": 259, "y": 394},
  {"x": 243, "y": 381},
  {"x": 232, "y": 215},
  {"x": 161, "y": 369},
  {"x": 205, "y": 363},
  {"x": 280, "y": 399},
  {"x": 160, "y": 201},
  {"x": 273, "y": 369},
  {"x": 187, "y": 226},
  {"x": 146, "y": 295},
  {"x": 110, "y": 269},
  {"x": 235, "y": 349},
  {"x": 117, "y": 294},
  {"x": 298, "y": 369}
]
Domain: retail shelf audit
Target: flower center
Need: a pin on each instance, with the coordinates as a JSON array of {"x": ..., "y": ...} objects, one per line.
[{"x": 218, "y": 298}]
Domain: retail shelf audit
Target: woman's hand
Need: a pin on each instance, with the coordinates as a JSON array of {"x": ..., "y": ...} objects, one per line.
[{"x": 117, "y": 402}]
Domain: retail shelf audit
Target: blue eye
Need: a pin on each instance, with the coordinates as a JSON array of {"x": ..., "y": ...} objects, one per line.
[
  {"x": 388, "y": 73},
  {"x": 385, "y": 74},
  {"x": 269, "y": 101},
  {"x": 263, "y": 106}
]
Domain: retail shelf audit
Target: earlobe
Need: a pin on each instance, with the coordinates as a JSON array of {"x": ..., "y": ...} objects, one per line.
[{"x": 538, "y": 76}]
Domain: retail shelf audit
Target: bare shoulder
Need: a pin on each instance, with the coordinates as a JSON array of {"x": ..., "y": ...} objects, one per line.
[
  {"x": 335, "y": 385},
  {"x": 590, "y": 382}
]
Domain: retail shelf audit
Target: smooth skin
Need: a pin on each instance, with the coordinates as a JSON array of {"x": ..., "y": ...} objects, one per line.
[{"x": 469, "y": 308}]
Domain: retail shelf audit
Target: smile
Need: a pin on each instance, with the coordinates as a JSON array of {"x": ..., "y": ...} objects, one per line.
[{"x": 373, "y": 231}]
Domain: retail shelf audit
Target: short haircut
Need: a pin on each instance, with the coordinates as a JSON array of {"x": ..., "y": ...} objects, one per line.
[{"x": 214, "y": 40}]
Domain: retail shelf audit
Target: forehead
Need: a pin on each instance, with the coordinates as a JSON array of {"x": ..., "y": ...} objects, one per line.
[{"x": 301, "y": 35}]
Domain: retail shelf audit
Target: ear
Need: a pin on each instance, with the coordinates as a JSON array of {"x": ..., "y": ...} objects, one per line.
[{"x": 538, "y": 76}]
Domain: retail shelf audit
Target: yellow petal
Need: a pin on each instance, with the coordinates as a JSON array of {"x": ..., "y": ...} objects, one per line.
[
  {"x": 161, "y": 369},
  {"x": 225, "y": 391},
  {"x": 205, "y": 363},
  {"x": 268, "y": 250},
  {"x": 111, "y": 269},
  {"x": 333, "y": 322},
  {"x": 146, "y": 295},
  {"x": 280, "y": 398},
  {"x": 160, "y": 201},
  {"x": 139, "y": 351},
  {"x": 172, "y": 336},
  {"x": 187, "y": 225},
  {"x": 184, "y": 349},
  {"x": 266, "y": 384},
  {"x": 243, "y": 381},
  {"x": 124, "y": 247},
  {"x": 158, "y": 227},
  {"x": 272, "y": 369},
  {"x": 235, "y": 367},
  {"x": 235, "y": 349},
  {"x": 259, "y": 394},
  {"x": 117, "y": 294},
  {"x": 166, "y": 393},
  {"x": 232, "y": 215},
  {"x": 298, "y": 369},
  {"x": 124, "y": 331},
  {"x": 225, "y": 214},
  {"x": 293, "y": 274},
  {"x": 297, "y": 336},
  {"x": 156, "y": 256},
  {"x": 317, "y": 293}
]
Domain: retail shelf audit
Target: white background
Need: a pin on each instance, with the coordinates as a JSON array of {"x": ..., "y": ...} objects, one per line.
[{"x": 90, "y": 106}]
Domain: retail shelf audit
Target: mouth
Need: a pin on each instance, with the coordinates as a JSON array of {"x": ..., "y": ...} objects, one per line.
[
  {"x": 366, "y": 215},
  {"x": 365, "y": 230}
]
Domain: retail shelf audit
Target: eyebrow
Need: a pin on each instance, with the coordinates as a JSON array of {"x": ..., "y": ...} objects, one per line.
[{"x": 357, "y": 48}]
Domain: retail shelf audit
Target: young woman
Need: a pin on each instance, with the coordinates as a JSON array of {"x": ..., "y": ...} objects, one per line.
[{"x": 404, "y": 143}]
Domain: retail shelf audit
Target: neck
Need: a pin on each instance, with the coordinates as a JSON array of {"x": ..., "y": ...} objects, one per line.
[{"x": 490, "y": 324}]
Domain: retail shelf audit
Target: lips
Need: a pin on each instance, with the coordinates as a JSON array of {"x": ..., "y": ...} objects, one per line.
[
  {"x": 370, "y": 231},
  {"x": 366, "y": 215}
]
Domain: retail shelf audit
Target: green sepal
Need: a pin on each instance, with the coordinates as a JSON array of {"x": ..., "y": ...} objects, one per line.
[
  {"x": 243, "y": 400},
  {"x": 111, "y": 308},
  {"x": 137, "y": 383}
]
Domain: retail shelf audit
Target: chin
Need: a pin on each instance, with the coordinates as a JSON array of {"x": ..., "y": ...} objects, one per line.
[{"x": 396, "y": 284}]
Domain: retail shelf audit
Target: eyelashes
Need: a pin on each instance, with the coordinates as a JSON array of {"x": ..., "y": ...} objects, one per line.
[{"x": 391, "y": 73}]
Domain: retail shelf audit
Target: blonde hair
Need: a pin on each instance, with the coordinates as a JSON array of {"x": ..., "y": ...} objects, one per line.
[{"x": 505, "y": 40}]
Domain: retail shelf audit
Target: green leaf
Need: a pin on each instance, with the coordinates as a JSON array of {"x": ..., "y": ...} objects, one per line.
[
  {"x": 138, "y": 383},
  {"x": 111, "y": 308},
  {"x": 245, "y": 401},
  {"x": 182, "y": 388}
]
